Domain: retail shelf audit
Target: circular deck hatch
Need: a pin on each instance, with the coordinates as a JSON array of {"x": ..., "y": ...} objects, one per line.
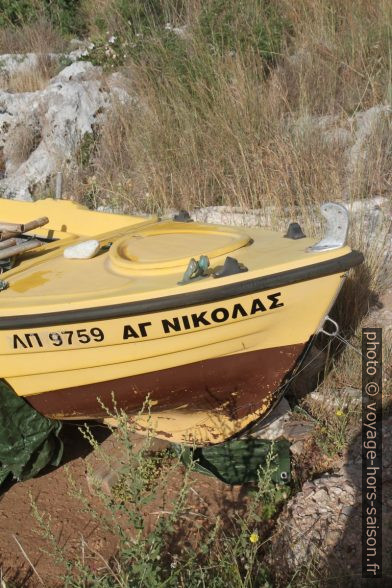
[{"x": 172, "y": 244}]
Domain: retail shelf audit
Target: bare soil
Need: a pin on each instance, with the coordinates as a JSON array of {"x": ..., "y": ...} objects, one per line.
[
  {"x": 24, "y": 557},
  {"x": 50, "y": 493}
]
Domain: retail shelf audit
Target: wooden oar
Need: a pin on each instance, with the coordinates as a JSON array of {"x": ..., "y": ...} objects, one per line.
[
  {"x": 9, "y": 230},
  {"x": 39, "y": 222},
  {"x": 21, "y": 248},
  {"x": 7, "y": 243},
  {"x": 11, "y": 227}
]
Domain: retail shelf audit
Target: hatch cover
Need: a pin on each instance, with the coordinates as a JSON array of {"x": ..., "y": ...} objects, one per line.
[{"x": 172, "y": 244}]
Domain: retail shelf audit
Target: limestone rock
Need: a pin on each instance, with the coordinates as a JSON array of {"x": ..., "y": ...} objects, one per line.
[
  {"x": 297, "y": 431},
  {"x": 321, "y": 525},
  {"x": 19, "y": 63},
  {"x": 41, "y": 131},
  {"x": 272, "y": 427},
  {"x": 297, "y": 448}
]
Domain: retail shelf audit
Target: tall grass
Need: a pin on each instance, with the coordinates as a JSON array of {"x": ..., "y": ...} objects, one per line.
[
  {"x": 39, "y": 36},
  {"x": 225, "y": 117},
  {"x": 32, "y": 79},
  {"x": 62, "y": 15}
]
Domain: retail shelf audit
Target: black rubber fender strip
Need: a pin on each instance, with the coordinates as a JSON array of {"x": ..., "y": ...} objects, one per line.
[{"x": 185, "y": 299}]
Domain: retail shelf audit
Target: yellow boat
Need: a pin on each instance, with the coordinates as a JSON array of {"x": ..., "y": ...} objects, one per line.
[{"x": 207, "y": 321}]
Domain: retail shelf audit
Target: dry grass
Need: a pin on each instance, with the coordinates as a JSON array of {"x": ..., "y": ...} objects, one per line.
[
  {"x": 24, "y": 139},
  {"x": 217, "y": 129},
  {"x": 38, "y": 37},
  {"x": 33, "y": 79}
]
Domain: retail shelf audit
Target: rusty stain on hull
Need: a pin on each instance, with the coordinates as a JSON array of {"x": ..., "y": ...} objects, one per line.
[{"x": 233, "y": 387}]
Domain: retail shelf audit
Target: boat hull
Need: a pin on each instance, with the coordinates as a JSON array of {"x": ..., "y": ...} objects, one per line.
[
  {"x": 204, "y": 401},
  {"x": 208, "y": 370},
  {"x": 211, "y": 349}
]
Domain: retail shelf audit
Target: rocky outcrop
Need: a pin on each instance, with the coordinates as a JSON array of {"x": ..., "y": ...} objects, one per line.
[
  {"x": 18, "y": 63},
  {"x": 41, "y": 131},
  {"x": 371, "y": 209},
  {"x": 319, "y": 531}
]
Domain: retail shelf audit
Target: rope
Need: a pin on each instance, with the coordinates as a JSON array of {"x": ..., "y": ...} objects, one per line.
[{"x": 348, "y": 344}]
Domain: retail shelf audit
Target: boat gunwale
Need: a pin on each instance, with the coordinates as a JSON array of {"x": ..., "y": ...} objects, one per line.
[{"x": 186, "y": 299}]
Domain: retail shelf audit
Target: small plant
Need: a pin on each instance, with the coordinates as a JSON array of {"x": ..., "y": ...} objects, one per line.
[
  {"x": 332, "y": 433},
  {"x": 16, "y": 12},
  {"x": 86, "y": 149},
  {"x": 109, "y": 51},
  {"x": 242, "y": 26},
  {"x": 64, "y": 14},
  {"x": 166, "y": 553},
  {"x": 335, "y": 414},
  {"x": 270, "y": 495}
]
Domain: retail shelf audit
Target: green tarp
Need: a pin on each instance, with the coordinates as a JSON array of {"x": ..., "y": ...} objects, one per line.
[
  {"x": 239, "y": 460},
  {"x": 28, "y": 441}
]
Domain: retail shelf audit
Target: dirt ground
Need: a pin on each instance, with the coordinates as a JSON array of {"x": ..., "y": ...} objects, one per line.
[
  {"x": 24, "y": 561},
  {"x": 18, "y": 528}
]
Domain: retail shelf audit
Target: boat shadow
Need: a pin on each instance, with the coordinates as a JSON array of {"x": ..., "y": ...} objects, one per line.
[
  {"x": 76, "y": 445},
  {"x": 351, "y": 306}
]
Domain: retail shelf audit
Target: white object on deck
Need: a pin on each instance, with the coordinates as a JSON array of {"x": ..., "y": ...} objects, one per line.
[{"x": 85, "y": 250}]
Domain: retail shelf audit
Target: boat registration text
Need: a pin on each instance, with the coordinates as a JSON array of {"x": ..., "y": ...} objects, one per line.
[{"x": 141, "y": 330}]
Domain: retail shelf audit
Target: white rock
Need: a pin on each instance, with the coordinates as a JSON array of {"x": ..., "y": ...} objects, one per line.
[
  {"x": 297, "y": 448},
  {"x": 366, "y": 123},
  {"x": 231, "y": 215},
  {"x": 323, "y": 522},
  {"x": 85, "y": 250},
  {"x": 19, "y": 63},
  {"x": 119, "y": 87},
  {"x": 354, "y": 134},
  {"x": 368, "y": 204},
  {"x": 60, "y": 115},
  {"x": 78, "y": 71},
  {"x": 272, "y": 427},
  {"x": 13, "y": 63}
]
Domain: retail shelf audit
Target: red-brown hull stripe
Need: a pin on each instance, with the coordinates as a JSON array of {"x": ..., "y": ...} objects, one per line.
[{"x": 238, "y": 385}]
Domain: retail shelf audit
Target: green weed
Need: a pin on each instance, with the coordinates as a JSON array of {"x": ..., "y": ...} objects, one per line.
[
  {"x": 166, "y": 553},
  {"x": 64, "y": 14}
]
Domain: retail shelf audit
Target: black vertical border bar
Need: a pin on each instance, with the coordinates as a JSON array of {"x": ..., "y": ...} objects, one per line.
[{"x": 371, "y": 452}]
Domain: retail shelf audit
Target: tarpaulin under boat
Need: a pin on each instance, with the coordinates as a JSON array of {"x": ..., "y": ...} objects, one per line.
[{"x": 28, "y": 441}]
